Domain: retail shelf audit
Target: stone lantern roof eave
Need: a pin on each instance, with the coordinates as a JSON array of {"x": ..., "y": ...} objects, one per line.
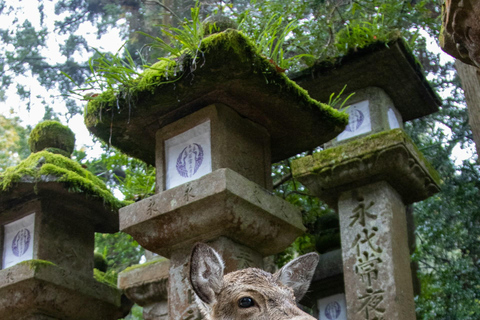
[{"x": 229, "y": 71}]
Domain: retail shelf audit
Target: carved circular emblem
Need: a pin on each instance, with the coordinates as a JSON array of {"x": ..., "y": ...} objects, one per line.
[
  {"x": 190, "y": 160},
  {"x": 333, "y": 310},
  {"x": 21, "y": 242},
  {"x": 356, "y": 120}
]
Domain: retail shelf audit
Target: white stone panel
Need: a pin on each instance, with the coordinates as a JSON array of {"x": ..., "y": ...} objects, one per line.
[
  {"x": 392, "y": 119},
  {"x": 333, "y": 308},
  {"x": 359, "y": 121},
  {"x": 188, "y": 155},
  {"x": 18, "y": 241}
]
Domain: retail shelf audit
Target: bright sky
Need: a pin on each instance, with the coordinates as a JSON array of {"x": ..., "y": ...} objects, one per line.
[{"x": 13, "y": 106}]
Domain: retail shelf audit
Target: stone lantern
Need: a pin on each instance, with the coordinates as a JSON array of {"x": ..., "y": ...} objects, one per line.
[
  {"x": 50, "y": 208},
  {"x": 212, "y": 135},
  {"x": 370, "y": 173}
]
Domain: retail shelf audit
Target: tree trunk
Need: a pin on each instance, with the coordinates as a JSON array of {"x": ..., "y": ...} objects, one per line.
[{"x": 470, "y": 77}]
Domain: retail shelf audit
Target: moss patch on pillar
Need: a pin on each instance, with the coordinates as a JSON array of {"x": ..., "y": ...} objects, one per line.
[{"x": 37, "y": 264}]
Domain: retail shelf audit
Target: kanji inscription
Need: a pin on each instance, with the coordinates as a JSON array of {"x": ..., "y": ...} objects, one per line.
[{"x": 363, "y": 224}]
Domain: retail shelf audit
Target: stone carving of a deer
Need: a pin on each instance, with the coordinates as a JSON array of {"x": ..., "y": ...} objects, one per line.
[{"x": 249, "y": 293}]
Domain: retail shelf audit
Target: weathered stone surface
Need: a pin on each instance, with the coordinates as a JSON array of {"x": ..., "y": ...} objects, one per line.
[
  {"x": 224, "y": 204},
  {"x": 388, "y": 156},
  {"x": 147, "y": 285},
  {"x": 460, "y": 34},
  {"x": 379, "y": 104},
  {"x": 65, "y": 223},
  {"x": 378, "y": 282},
  {"x": 391, "y": 67},
  {"x": 236, "y": 143},
  {"x": 66, "y": 185},
  {"x": 230, "y": 72},
  {"x": 39, "y": 290}
]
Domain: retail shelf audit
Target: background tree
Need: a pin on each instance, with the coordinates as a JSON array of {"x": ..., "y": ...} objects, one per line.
[{"x": 447, "y": 224}]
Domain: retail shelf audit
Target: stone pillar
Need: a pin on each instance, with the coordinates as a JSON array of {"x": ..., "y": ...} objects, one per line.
[
  {"x": 50, "y": 210},
  {"x": 147, "y": 285},
  {"x": 377, "y": 273},
  {"x": 370, "y": 181},
  {"x": 212, "y": 135}
]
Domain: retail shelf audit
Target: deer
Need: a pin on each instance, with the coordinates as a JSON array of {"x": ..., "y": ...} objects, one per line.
[{"x": 250, "y": 293}]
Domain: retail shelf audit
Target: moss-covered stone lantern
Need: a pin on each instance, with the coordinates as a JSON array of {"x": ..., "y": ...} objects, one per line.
[
  {"x": 212, "y": 134},
  {"x": 50, "y": 208},
  {"x": 370, "y": 172}
]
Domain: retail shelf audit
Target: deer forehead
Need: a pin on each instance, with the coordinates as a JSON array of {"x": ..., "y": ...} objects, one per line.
[{"x": 258, "y": 281}]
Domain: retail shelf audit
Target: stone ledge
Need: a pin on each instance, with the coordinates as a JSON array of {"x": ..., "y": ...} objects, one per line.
[
  {"x": 147, "y": 283},
  {"x": 28, "y": 288},
  {"x": 221, "y": 203},
  {"x": 387, "y": 156}
]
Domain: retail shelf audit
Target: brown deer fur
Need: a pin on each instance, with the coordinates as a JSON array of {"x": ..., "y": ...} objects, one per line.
[{"x": 273, "y": 296}]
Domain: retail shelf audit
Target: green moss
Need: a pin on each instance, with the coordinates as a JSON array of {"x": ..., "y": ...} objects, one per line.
[
  {"x": 52, "y": 134},
  {"x": 143, "y": 265},
  {"x": 218, "y": 23},
  {"x": 361, "y": 148},
  {"x": 44, "y": 166},
  {"x": 36, "y": 264},
  {"x": 230, "y": 43},
  {"x": 108, "y": 278}
]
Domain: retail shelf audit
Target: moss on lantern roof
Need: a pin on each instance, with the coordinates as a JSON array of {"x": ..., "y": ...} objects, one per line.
[
  {"x": 360, "y": 148},
  {"x": 45, "y": 166},
  {"x": 36, "y": 264},
  {"x": 226, "y": 69},
  {"x": 389, "y": 65},
  {"x": 54, "y": 136}
]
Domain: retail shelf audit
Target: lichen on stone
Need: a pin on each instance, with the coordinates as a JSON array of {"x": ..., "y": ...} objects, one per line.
[{"x": 45, "y": 166}]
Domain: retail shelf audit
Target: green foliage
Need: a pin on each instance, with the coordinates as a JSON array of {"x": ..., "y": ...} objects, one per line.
[
  {"x": 13, "y": 142},
  {"x": 119, "y": 249},
  {"x": 336, "y": 101}
]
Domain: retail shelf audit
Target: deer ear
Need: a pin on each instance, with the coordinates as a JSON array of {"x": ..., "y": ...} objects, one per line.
[
  {"x": 298, "y": 273},
  {"x": 206, "y": 272}
]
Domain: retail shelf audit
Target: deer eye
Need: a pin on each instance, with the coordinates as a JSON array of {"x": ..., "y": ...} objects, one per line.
[{"x": 246, "y": 302}]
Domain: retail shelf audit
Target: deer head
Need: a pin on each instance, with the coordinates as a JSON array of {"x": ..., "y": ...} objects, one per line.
[{"x": 249, "y": 293}]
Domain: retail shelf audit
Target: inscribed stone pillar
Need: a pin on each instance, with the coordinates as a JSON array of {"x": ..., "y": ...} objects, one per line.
[
  {"x": 370, "y": 181},
  {"x": 377, "y": 275}
]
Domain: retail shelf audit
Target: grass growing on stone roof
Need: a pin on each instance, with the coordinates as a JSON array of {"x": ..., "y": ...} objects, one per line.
[
  {"x": 45, "y": 166},
  {"x": 230, "y": 43}
]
